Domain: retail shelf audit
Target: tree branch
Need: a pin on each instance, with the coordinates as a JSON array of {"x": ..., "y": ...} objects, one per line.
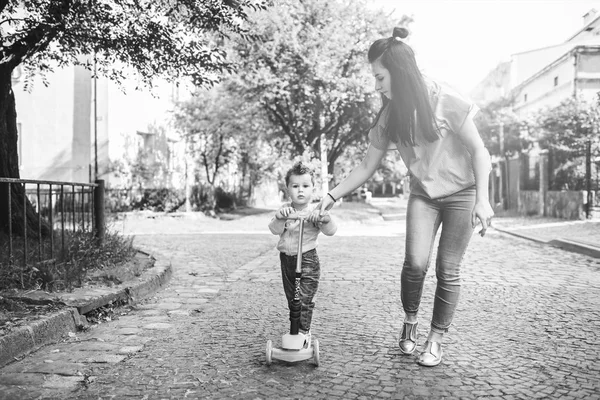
[{"x": 38, "y": 38}]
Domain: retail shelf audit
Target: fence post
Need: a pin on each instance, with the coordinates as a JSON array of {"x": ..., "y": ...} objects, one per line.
[
  {"x": 99, "y": 210},
  {"x": 588, "y": 179}
]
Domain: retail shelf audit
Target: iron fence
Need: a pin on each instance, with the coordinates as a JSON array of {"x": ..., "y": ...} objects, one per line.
[{"x": 59, "y": 206}]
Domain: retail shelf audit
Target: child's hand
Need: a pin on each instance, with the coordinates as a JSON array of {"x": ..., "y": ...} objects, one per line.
[{"x": 284, "y": 212}]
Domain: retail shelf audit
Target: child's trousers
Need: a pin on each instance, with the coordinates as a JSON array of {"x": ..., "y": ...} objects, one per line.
[{"x": 309, "y": 283}]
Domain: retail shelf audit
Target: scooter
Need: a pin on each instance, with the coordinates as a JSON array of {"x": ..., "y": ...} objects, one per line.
[{"x": 292, "y": 344}]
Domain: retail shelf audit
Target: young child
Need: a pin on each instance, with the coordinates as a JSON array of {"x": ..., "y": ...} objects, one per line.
[{"x": 300, "y": 185}]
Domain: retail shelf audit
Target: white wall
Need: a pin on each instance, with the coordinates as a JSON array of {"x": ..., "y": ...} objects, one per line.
[
  {"x": 525, "y": 65},
  {"x": 50, "y": 148},
  {"x": 56, "y": 122},
  {"x": 542, "y": 92}
]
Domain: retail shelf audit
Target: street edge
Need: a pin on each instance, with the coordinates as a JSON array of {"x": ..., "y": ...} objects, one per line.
[
  {"x": 563, "y": 244},
  {"x": 57, "y": 326}
]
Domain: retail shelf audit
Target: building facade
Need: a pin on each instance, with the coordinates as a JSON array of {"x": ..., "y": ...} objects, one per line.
[
  {"x": 532, "y": 81},
  {"x": 73, "y": 127},
  {"x": 544, "y": 77}
]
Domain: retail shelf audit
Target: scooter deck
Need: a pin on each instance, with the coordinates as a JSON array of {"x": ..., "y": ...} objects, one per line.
[{"x": 293, "y": 355}]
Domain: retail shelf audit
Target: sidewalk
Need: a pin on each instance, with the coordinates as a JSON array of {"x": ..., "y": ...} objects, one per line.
[
  {"x": 520, "y": 332},
  {"x": 580, "y": 236},
  {"x": 193, "y": 334}
]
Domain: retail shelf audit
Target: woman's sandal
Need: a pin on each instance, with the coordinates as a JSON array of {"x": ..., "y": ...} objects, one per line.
[
  {"x": 431, "y": 354},
  {"x": 408, "y": 338}
]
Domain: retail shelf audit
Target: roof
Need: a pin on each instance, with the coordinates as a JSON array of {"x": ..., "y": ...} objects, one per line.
[
  {"x": 596, "y": 19},
  {"x": 574, "y": 49}
]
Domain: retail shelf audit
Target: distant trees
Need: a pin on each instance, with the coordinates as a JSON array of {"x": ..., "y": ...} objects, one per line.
[
  {"x": 309, "y": 72},
  {"x": 170, "y": 39},
  {"x": 502, "y": 131},
  {"x": 571, "y": 133},
  {"x": 222, "y": 130}
]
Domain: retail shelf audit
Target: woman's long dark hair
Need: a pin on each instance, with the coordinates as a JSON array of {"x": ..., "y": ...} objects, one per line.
[{"x": 409, "y": 92}]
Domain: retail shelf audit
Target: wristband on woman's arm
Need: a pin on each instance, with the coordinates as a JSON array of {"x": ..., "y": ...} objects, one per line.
[{"x": 332, "y": 198}]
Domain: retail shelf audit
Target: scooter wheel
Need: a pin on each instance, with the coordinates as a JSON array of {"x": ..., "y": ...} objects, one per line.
[
  {"x": 315, "y": 345},
  {"x": 269, "y": 352}
]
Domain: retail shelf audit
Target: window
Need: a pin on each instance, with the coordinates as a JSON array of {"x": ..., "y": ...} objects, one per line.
[
  {"x": 525, "y": 97},
  {"x": 556, "y": 81}
]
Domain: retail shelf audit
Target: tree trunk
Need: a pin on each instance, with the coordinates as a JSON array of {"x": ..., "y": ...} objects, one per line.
[{"x": 9, "y": 166}]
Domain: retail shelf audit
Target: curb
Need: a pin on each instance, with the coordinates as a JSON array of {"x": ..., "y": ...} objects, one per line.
[
  {"x": 57, "y": 326},
  {"x": 563, "y": 244},
  {"x": 576, "y": 247}
]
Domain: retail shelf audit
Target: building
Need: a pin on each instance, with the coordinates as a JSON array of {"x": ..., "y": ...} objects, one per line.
[
  {"x": 544, "y": 77},
  {"x": 531, "y": 81},
  {"x": 73, "y": 127}
]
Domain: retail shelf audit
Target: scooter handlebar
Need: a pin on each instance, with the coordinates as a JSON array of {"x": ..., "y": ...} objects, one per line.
[{"x": 296, "y": 217}]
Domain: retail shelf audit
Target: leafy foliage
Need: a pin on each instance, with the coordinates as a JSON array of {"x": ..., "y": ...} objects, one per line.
[
  {"x": 496, "y": 120},
  {"x": 82, "y": 255},
  {"x": 309, "y": 72},
  {"x": 221, "y": 130},
  {"x": 566, "y": 130},
  {"x": 171, "y": 39},
  {"x": 568, "y": 127}
]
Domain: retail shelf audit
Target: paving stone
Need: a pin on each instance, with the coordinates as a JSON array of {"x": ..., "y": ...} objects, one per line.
[
  {"x": 167, "y": 306},
  {"x": 158, "y": 325},
  {"x": 179, "y": 313},
  {"x": 128, "y": 331},
  {"x": 105, "y": 358},
  {"x": 63, "y": 368}
]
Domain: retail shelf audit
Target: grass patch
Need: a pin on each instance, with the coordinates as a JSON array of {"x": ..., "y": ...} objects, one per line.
[{"x": 62, "y": 264}]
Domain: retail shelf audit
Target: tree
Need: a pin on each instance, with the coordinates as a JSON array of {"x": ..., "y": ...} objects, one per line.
[
  {"x": 171, "y": 39},
  {"x": 222, "y": 130},
  {"x": 502, "y": 131},
  {"x": 569, "y": 131},
  {"x": 310, "y": 74}
]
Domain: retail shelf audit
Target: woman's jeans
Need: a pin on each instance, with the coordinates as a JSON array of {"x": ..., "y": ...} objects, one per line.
[
  {"x": 309, "y": 283},
  {"x": 424, "y": 217}
]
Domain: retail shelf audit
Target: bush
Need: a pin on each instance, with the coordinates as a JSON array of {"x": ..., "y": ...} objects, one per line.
[
  {"x": 158, "y": 200},
  {"x": 80, "y": 254},
  {"x": 224, "y": 200}
]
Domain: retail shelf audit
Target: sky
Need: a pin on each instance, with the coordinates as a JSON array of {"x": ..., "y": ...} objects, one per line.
[{"x": 461, "y": 41}]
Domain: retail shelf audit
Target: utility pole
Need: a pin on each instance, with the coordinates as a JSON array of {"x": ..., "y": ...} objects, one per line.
[
  {"x": 323, "y": 146},
  {"x": 588, "y": 177},
  {"x": 324, "y": 179},
  {"x": 95, "y": 119},
  {"x": 503, "y": 167}
]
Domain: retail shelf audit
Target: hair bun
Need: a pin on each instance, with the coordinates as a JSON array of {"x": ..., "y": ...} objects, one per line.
[{"x": 400, "y": 32}]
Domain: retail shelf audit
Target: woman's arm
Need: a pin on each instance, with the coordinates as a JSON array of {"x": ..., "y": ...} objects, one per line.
[
  {"x": 481, "y": 167},
  {"x": 356, "y": 178}
]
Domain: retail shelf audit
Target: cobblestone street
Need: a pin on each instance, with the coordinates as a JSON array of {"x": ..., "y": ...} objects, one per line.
[{"x": 527, "y": 327}]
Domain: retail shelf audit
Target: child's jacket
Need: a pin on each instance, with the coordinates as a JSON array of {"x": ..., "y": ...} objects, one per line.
[{"x": 289, "y": 232}]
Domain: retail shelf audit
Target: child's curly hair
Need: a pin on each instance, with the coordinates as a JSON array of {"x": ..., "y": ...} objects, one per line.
[{"x": 299, "y": 168}]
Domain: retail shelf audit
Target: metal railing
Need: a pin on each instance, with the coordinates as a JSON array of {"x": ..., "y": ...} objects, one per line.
[{"x": 60, "y": 206}]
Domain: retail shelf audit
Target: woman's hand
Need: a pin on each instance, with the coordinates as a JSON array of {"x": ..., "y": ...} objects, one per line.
[
  {"x": 326, "y": 204},
  {"x": 484, "y": 212},
  {"x": 316, "y": 217}
]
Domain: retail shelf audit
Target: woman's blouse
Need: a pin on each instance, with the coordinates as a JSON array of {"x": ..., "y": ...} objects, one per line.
[{"x": 443, "y": 167}]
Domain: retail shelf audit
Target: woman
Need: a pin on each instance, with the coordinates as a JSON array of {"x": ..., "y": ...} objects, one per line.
[{"x": 432, "y": 128}]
